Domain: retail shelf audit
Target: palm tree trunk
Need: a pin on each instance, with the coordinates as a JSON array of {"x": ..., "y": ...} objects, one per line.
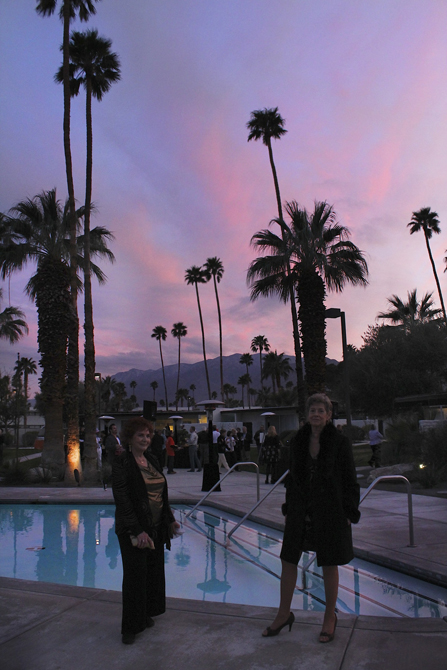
[
  {"x": 203, "y": 341},
  {"x": 441, "y": 300},
  {"x": 71, "y": 396},
  {"x": 25, "y": 392},
  {"x": 53, "y": 315},
  {"x": 90, "y": 456},
  {"x": 292, "y": 298},
  {"x": 220, "y": 337},
  {"x": 164, "y": 377},
  {"x": 178, "y": 377},
  {"x": 311, "y": 295}
]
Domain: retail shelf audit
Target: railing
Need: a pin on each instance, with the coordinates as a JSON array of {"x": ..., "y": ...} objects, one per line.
[
  {"x": 257, "y": 504},
  {"x": 221, "y": 480},
  {"x": 306, "y": 567}
]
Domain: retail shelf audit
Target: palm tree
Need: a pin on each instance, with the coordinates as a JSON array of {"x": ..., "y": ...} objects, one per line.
[
  {"x": 179, "y": 330},
  {"x": 68, "y": 11},
  {"x": 428, "y": 221},
  {"x": 260, "y": 343},
  {"x": 119, "y": 393},
  {"x": 193, "y": 277},
  {"x": 12, "y": 324},
  {"x": 214, "y": 268},
  {"x": 321, "y": 257},
  {"x": 181, "y": 394},
  {"x": 95, "y": 67},
  {"x": 266, "y": 124},
  {"x": 38, "y": 234},
  {"x": 25, "y": 366},
  {"x": 243, "y": 381},
  {"x": 133, "y": 385},
  {"x": 229, "y": 389},
  {"x": 276, "y": 367},
  {"x": 410, "y": 313},
  {"x": 160, "y": 335},
  {"x": 192, "y": 388},
  {"x": 38, "y": 230},
  {"x": 247, "y": 359},
  {"x": 154, "y": 387}
]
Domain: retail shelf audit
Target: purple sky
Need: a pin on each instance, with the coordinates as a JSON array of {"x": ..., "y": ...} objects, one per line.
[{"x": 363, "y": 89}]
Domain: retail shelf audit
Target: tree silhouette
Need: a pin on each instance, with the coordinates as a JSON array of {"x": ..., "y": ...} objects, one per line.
[
  {"x": 214, "y": 268},
  {"x": 260, "y": 343},
  {"x": 178, "y": 331},
  {"x": 428, "y": 221},
  {"x": 193, "y": 277},
  {"x": 268, "y": 124},
  {"x": 160, "y": 335}
]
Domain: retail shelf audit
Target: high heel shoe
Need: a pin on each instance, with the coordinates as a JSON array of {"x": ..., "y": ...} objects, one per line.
[
  {"x": 271, "y": 632},
  {"x": 328, "y": 637}
]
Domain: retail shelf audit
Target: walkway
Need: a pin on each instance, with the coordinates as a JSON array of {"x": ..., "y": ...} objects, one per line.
[{"x": 48, "y": 626}]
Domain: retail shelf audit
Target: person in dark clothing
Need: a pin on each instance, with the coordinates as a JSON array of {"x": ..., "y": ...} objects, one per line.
[
  {"x": 270, "y": 453},
  {"x": 156, "y": 448},
  {"x": 322, "y": 500},
  {"x": 144, "y": 524}
]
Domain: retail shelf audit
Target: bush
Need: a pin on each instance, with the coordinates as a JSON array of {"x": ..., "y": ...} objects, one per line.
[
  {"x": 28, "y": 438},
  {"x": 404, "y": 442},
  {"x": 434, "y": 454},
  {"x": 14, "y": 473}
]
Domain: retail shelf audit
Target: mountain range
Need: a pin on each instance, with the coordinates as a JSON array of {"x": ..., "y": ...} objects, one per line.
[{"x": 194, "y": 373}]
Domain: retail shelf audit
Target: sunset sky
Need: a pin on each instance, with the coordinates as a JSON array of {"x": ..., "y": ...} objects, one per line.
[{"x": 363, "y": 89}]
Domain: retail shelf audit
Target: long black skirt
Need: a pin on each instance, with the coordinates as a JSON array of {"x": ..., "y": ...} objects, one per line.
[{"x": 144, "y": 592}]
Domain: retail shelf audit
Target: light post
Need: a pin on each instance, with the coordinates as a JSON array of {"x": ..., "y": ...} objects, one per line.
[
  {"x": 211, "y": 469},
  {"x": 335, "y": 313},
  {"x": 176, "y": 418}
]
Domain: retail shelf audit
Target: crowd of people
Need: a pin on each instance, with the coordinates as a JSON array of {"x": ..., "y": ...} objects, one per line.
[{"x": 321, "y": 503}]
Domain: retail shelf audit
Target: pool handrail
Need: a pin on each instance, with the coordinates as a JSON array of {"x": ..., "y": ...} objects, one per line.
[
  {"x": 219, "y": 481},
  {"x": 306, "y": 567},
  {"x": 283, "y": 476}
]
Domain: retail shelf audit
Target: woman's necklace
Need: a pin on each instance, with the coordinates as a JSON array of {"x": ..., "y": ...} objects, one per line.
[{"x": 141, "y": 460}]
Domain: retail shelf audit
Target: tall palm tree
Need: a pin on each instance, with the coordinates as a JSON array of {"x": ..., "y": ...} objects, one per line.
[
  {"x": 40, "y": 236},
  {"x": 276, "y": 367},
  {"x": 247, "y": 359},
  {"x": 229, "y": 389},
  {"x": 119, "y": 393},
  {"x": 243, "y": 381},
  {"x": 321, "y": 257},
  {"x": 410, "y": 313},
  {"x": 181, "y": 394},
  {"x": 214, "y": 268},
  {"x": 133, "y": 385},
  {"x": 260, "y": 343},
  {"x": 428, "y": 221},
  {"x": 25, "y": 366},
  {"x": 160, "y": 335},
  {"x": 38, "y": 230},
  {"x": 12, "y": 323},
  {"x": 268, "y": 124},
  {"x": 193, "y": 277},
  {"x": 179, "y": 330},
  {"x": 95, "y": 67},
  {"x": 68, "y": 11},
  {"x": 154, "y": 387}
]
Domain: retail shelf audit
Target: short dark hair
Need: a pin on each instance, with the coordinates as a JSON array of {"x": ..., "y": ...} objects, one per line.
[
  {"x": 319, "y": 399},
  {"x": 133, "y": 426}
]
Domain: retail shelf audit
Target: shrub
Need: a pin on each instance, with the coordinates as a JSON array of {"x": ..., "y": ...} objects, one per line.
[
  {"x": 28, "y": 438},
  {"x": 14, "y": 473},
  {"x": 404, "y": 442}
]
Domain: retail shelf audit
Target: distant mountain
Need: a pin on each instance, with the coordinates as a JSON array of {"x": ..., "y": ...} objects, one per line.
[{"x": 194, "y": 373}]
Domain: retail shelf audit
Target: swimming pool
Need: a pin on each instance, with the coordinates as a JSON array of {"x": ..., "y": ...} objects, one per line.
[{"x": 77, "y": 545}]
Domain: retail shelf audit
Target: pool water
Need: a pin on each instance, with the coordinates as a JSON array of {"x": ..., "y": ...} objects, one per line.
[{"x": 78, "y": 546}]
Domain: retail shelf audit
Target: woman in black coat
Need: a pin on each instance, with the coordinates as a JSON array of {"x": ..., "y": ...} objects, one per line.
[
  {"x": 322, "y": 499},
  {"x": 144, "y": 524}
]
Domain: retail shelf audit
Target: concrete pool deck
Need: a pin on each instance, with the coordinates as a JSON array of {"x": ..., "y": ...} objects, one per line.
[{"x": 51, "y": 626}]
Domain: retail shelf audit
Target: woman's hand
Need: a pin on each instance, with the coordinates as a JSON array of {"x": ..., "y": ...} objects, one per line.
[
  {"x": 175, "y": 529},
  {"x": 144, "y": 541}
]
